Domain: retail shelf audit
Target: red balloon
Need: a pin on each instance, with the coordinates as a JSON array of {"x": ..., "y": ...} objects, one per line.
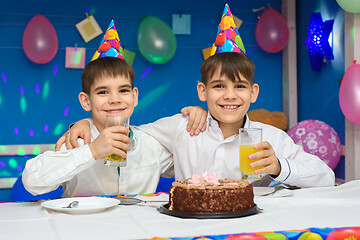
[
  {"x": 272, "y": 32},
  {"x": 40, "y": 41}
]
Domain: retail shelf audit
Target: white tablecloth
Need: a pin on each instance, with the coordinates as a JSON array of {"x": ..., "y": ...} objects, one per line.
[{"x": 332, "y": 207}]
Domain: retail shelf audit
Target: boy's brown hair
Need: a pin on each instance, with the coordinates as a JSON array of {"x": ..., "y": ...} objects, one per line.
[
  {"x": 105, "y": 67},
  {"x": 231, "y": 63}
]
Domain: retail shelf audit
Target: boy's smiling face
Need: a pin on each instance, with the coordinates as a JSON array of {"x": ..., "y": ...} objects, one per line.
[
  {"x": 109, "y": 95},
  {"x": 228, "y": 101}
]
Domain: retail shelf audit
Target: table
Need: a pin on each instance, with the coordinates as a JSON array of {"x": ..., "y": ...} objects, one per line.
[{"x": 315, "y": 208}]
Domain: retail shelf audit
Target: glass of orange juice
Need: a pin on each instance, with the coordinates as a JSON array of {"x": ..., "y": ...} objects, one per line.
[
  {"x": 248, "y": 137},
  {"x": 115, "y": 160}
]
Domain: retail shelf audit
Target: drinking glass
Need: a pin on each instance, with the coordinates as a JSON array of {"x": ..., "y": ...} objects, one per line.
[
  {"x": 115, "y": 160},
  {"x": 248, "y": 137}
]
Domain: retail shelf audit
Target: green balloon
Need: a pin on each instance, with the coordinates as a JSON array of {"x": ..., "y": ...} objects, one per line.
[
  {"x": 156, "y": 40},
  {"x": 352, "y": 6}
]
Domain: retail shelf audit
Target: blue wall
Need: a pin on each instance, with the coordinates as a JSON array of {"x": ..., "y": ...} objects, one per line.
[
  {"x": 39, "y": 101},
  {"x": 318, "y": 92}
]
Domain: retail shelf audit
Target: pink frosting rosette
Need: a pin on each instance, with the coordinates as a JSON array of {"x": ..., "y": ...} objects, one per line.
[{"x": 204, "y": 177}]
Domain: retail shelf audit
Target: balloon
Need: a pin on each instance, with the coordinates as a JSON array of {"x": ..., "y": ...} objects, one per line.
[
  {"x": 350, "y": 233},
  {"x": 318, "y": 138},
  {"x": 352, "y": 6},
  {"x": 40, "y": 41},
  {"x": 349, "y": 94},
  {"x": 156, "y": 41},
  {"x": 271, "y": 32}
]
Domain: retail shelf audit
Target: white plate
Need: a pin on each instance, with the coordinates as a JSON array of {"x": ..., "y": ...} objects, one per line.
[
  {"x": 86, "y": 204},
  {"x": 261, "y": 191}
]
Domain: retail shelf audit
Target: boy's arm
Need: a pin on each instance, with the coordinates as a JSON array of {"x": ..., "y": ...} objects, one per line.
[
  {"x": 196, "y": 123},
  {"x": 80, "y": 129},
  {"x": 48, "y": 170}
]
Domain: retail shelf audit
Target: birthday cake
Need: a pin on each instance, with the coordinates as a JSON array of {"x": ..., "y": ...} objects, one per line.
[{"x": 208, "y": 194}]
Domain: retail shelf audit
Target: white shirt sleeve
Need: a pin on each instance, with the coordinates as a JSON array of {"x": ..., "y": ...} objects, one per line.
[
  {"x": 165, "y": 129},
  {"x": 48, "y": 170}
]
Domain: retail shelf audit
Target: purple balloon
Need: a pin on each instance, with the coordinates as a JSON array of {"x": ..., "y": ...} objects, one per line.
[
  {"x": 349, "y": 94},
  {"x": 318, "y": 138},
  {"x": 40, "y": 41},
  {"x": 272, "y": 32}
]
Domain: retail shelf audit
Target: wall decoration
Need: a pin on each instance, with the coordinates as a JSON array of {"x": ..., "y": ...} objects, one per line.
[
  {"x": 75, "y": 57},
  {"x": 318, "y": 41},
  {"x": 272, "y": 32},
  {"x": 156, "y": 40},
  {"x": 206, "y": 52},
  {"x": 40, "y": 41},
  {"x": 349, "y": 93},
  {"x": 181, "y": 24},
  {"x": 129, "y": 56},
  {"x": 238, "y": 21},
  {"x": 352, "y": 6},
  {"x": 88, "y": 28}
]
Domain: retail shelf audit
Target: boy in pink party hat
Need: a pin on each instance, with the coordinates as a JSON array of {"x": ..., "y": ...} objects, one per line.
[
  {"x": 228, "y": 87},
  {"x": 108, "y": 88}
]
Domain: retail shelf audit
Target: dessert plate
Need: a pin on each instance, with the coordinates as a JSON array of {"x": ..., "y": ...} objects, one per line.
[
  {"x": 165, "y": 210},
  {"x": 263, "y": 191},
  {"x": 86, "y": 204}
]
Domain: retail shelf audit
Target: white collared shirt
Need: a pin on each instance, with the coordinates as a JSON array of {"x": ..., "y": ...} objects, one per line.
[
  {"x": 210, "y": 152},
  {"x": 81, "y": 175}
]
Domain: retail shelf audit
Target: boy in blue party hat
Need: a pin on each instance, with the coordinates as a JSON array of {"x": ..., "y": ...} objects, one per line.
[
  {"x": 228, "y": 88},
  {"x": 108, "y": 89}
]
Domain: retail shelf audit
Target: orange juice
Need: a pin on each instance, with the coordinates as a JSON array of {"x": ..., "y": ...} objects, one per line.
[
  {"x": 244, "y": 152},
  {"x": 115, "y": 158}
]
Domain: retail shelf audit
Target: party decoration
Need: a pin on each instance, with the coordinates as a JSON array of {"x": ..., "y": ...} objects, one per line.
[
  {"x": 272, "y": 31},
  {"x": 88, "y": 28},
  {"x": 228, "y": 38},
  {"x": 110, "y": 45},
  {"x": 40, "y": 41},
  {"x": 75, "y": 57},
  {"x": 349, "y": 93},
  {"x": 206, "y": 52},
  {"x": 156, "y": 41},
  {"x": 318, "y": 138},
  {"x": 129, "y": 56},
  {"x": 352, "y": 6},
  {"x": 238, "y": 21},
  {"x": 318, "y": 41},
  {"x": 181, "y": 24}
]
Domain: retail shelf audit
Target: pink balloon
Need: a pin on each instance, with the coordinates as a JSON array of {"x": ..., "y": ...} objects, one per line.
[
  {"x": 40, "y": 41},
  {"x": 318, "y": 138},
  {"x": 271, "y": 32},
  {"x": 349, "y": 94}
]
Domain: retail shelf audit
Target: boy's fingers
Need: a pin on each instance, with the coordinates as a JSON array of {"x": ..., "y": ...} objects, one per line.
[
  {"x": 185, "y": 111},
  {"x": 68, "y": 141},
  {"x": 202, "y": 124},
  {"x": 60, "y": 142},
  {"x": 73, "y": 141}
]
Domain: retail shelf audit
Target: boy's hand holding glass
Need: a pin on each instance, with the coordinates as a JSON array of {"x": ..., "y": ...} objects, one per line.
[
  {"x": 248, "y": 138},
  {"x": 112, "y": 140},
  {"x": 268, "y": 160}
]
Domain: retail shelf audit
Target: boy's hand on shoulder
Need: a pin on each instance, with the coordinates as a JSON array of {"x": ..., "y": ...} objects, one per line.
[
  {"x": 197, "y": 119},
  {"x": 269, "y": 161},
  {"x": 79, "y": 129},
  {"x": 113, "y": 140}
]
